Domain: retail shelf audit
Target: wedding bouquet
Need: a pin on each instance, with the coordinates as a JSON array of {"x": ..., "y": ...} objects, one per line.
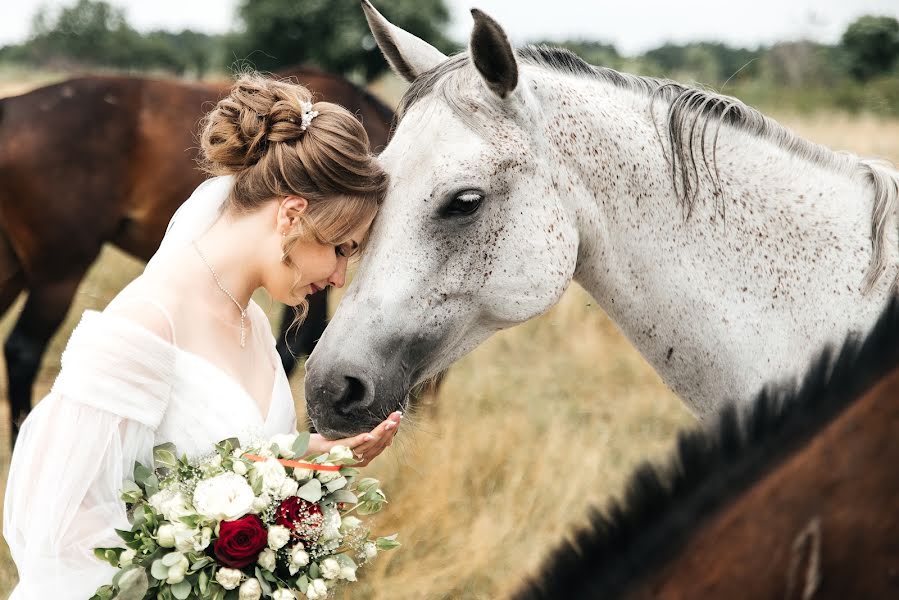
[{"x": 243, "y": 524}]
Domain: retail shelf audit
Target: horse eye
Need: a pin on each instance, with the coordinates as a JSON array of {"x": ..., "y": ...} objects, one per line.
[{"x": 464, "y": 203}]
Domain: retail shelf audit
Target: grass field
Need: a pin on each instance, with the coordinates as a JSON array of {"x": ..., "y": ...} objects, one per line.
[{"x": 529, "y": 430}]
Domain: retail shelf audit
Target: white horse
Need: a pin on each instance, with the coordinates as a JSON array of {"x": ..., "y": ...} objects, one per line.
[{"x": 726, "y": 248}]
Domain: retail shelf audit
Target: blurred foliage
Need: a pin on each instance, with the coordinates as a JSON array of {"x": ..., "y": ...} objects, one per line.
[
  {"x": 331, "y": 34},
  {"x": 871, "y": 45},
  {"x": 861, "y": 73}
]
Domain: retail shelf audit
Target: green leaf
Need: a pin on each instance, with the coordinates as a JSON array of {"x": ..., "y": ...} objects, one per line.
[
  {"x": 349, "y": 471},
  {"x": 165, "y": 458},
  {"x": 133, "y": 584},
  {"x": 110, "y": 555},
  {"x": 172, "y": 558},
  {"x": 181, "y": 590},
  {"x": 266, "y": 588},
  {"x": 345, "y": 496},
  {"x": 301, "y": 444},
  {"x": 159, "y": 570},
  {"x": 203, "y": 582},
  {"x": 104, "y": 593},
  {"x": 141, "y": 473},
  {"x": 303, "y": 583},
  {"x": 191, "y": 520},
  {"x": 367, "y": 484},
  {"x": 311, "y": 491},
  {"x": 313, "y": 570},
  {"x": 336, "y": 484},
  {"x": 387, "y": 543}
]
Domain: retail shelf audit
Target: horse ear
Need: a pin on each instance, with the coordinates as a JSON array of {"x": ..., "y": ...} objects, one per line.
[
  {"x": 408, "y": 55},
  {"x": 493, "y": 55}
]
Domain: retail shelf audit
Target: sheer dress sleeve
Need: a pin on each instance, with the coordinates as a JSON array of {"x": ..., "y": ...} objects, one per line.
[{"x": 75, "y": 449}]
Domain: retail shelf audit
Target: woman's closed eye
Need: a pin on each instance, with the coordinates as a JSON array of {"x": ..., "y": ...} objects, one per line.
[{"x": 347, "y": 249}]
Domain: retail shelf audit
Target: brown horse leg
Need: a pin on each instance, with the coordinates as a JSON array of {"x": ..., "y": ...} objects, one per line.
[
  {"x": 42, "y": 314},
  {"x": 302, "y": 342}
]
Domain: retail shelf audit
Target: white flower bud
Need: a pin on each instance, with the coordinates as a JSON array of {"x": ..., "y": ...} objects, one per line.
[
  {"x": 278, "y": 536},
  {"x": 126, "y": 557},
  {"x": 266, "y": 559},
  {"x": 165, "y": 536},
  {"x": 298, "y": 558},
  {"x": 317, "y": 590},
  {"x": 250, "y": 590},
  {"x": 348, "y": 572},
  {"x": 370, "y": 550},
  {"x": 178, "y": 571},
  {"x": 288, "y": 488},
  {"x": 282, "y": 594},
  {"x": 239, "y": 467},
  {"x": 330, "y": 568}
]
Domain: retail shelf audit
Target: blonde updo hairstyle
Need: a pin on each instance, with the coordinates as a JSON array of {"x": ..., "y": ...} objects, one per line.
[{"x": 256, "y": 134}]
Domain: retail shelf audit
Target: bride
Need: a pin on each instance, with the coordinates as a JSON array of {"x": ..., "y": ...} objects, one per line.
[{"x": 182, "y": 354}]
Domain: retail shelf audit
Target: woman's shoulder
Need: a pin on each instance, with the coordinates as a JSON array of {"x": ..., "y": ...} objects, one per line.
[{"x": 151, "y": 307}]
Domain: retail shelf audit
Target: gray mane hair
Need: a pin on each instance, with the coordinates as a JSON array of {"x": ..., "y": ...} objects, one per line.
[{"x": 690, "y": 142}]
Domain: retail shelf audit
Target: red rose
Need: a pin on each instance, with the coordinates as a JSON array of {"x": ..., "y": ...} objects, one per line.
[
  {"x": 304, "y": 519},
  {"x": 240, "y": 542}
]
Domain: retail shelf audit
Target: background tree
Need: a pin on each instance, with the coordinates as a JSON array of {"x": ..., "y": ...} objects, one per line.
[
  {"x": 871, "y": 45},
  {"x": 331, "y": 34}
]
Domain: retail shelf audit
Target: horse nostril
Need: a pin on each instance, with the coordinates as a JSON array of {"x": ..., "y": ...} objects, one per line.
[{"x": 353, "y": 397}]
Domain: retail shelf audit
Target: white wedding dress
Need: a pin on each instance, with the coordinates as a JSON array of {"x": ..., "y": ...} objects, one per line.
[{"x": 122, "y": 390}]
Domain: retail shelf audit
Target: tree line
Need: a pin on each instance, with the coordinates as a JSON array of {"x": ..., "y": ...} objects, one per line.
[{"x": 861, "y": 71}]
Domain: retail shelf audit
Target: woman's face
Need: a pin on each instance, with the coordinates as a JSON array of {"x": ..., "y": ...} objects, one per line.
[{"x": 317, "y": 265}]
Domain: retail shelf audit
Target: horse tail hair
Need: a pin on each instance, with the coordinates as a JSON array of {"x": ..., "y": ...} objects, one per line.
[{"x": 884, "y": 177}]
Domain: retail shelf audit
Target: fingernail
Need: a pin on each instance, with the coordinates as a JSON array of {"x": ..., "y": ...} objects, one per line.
[
  {"x": 389, "y": 426},
  {"x": 400, "y": 413}
]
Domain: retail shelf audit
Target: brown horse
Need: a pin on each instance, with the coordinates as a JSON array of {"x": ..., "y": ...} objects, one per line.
[
  {"x": 796, "y": 498},
  {"x": 109, "y": 159}
]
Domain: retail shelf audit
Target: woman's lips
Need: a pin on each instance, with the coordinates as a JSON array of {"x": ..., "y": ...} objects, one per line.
[{"x": 314, "y": 288}]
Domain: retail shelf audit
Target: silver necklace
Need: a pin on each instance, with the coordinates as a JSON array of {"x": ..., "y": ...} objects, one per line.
[{"x": 243, "y": 311}]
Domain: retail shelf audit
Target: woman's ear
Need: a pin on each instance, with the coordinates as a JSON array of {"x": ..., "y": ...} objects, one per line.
[{"x": 288, "y": 211}]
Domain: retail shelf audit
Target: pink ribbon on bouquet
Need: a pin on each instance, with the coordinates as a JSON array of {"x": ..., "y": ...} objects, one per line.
[{"x": 294, "y": 463}]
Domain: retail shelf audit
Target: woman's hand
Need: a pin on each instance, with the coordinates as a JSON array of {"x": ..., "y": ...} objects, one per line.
[{"x": 365, "y": 446}]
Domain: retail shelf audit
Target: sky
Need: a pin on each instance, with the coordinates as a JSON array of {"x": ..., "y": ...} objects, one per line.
[{"x": 633, "y": 26}]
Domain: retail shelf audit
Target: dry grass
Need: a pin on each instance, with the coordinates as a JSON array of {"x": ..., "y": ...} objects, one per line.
[{"x": 530, "y": 429}]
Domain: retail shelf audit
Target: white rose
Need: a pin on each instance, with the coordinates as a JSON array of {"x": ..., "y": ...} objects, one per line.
[
  {"x": 272, "y": 473},
  {"x": 170, "y": 504},
  {"x": 266, "y": 559},
  {"x": 165, "y": 536},
  {"x": 224, "y": 497},
  {"x": 317, "y": 590},
  {"x": 260, "y": 503},
  {"x": 178, "y": 570},
  {"x": 285, "y": 443},
  {"x": 288, "y": 488},
  {"x": 278, "y": 536},
  {"x": 330, "y": 568},
  {"x": 239, "y": 467},
  {"x": 228, "y": 578},
  {"x": 282, "y": 594},
  {"x": 298, "y": 558},
  {"x": 348, "y": 572},
  {"x": 185, "y": 537},
  {"x": 126, "y": 557},
  {"x": 370, "y": 550},
  {"x": 250, "y": 590}
]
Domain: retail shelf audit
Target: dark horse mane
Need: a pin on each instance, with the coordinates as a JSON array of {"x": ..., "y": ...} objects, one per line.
[{"x": 662, "y": 506}]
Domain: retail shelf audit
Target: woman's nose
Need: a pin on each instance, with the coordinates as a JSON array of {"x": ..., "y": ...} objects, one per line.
[{"x": 338, "y": 277}]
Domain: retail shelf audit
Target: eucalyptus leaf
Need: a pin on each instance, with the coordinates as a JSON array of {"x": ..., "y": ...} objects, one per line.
[
  {"x": 159, "y": 570},
  {"x": 203, "y": 582},
  {"x": 311, "y": 491},
  {"x": 133, "y": 585},
  {"x": 165, "y": 458},
  {"x": 387, "y": 543},
  {"x": 345, "y": 496},
  {"x": 266, "y": 588},
  {"x": 181, "y": 590},
  {"x": 313, "y": 570},
  {"x": 301, "y": 444},
  {"x": 303, "y": 584},
  {"x": 141, "y": 473},
  {"x": 171, "y": 559}
]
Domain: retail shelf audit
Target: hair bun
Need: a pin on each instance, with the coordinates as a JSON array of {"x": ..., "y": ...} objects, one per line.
[{"x": 237, "y": 132}]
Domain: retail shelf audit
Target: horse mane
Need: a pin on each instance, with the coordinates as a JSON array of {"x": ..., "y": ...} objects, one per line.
[
  {"x": 711, "y": 467},
  {"x": 692, "y": 124}
]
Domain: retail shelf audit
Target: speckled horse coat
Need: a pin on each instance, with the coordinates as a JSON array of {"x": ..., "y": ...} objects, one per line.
[{"x": 725, "y": 247}]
